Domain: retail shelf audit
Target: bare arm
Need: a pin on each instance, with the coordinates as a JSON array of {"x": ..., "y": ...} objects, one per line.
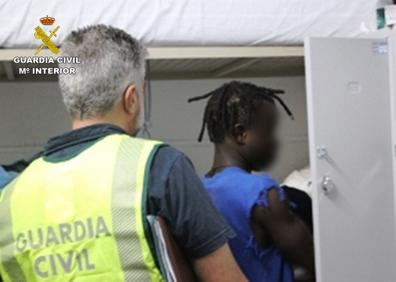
[
  {"x": 218, "y": 266},
  {"x": 285, "y": 230}
]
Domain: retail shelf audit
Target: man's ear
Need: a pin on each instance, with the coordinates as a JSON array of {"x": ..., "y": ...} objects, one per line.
[
  {"x": 240, "y": 133},
  {"x": 130, "y": 99}
]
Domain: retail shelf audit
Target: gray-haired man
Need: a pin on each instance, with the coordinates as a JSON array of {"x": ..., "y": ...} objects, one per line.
[{"x": 90, "y": 191}]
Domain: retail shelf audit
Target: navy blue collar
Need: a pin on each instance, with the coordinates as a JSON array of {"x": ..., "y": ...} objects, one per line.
[{"x": 79, "y": 136}]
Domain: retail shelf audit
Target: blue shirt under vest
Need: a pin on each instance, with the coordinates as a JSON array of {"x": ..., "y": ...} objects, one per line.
[{"x": 235, "y": 192}]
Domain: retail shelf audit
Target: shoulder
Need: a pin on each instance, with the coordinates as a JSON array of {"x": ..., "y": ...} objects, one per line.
[
  {"x": 261, "y": 180},
  {"x": 257, "y": 192},
  {"x": 170, "y": 171},
  {"x": 168, "y": 151},
  {"x": 166, "y": 158},
  {"x": 265, "y": 184}
]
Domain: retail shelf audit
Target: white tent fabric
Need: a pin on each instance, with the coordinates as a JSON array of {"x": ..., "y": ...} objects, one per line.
[{"x": 198, "y": 22}]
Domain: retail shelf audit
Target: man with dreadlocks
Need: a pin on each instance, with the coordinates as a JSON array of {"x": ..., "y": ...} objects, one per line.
[{"x": 241, "y": 119}]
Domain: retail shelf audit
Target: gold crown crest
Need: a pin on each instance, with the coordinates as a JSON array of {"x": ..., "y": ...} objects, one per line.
[{"x": 47, "y": 20}]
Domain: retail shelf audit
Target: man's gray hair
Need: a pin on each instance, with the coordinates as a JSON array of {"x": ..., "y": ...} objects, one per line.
[{"x": 110, "y": 59}]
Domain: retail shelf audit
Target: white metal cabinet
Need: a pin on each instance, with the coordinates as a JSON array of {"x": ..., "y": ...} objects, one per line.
[{"x": 351, "y": 153}]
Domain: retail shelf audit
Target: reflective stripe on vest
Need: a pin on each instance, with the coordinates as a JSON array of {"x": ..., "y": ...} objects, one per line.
[{"x": 81, "y": 218}]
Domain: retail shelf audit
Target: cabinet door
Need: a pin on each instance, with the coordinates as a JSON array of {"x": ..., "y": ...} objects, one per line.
[{"x": 349, "y": 116}]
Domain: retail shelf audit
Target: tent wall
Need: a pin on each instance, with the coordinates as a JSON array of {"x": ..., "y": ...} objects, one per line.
[{"x": 32, "y": 112}]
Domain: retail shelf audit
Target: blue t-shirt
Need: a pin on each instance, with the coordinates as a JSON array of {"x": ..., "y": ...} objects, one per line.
[{"x": 235, "y": 192}]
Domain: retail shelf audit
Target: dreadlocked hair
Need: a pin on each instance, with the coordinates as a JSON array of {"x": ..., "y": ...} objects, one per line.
[{"x": 232, "y": 103}]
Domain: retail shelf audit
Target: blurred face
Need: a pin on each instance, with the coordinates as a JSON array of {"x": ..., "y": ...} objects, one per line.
[{"x": 261, "y": 143}]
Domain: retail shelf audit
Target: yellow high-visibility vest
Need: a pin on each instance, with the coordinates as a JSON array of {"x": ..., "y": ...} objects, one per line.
[{"x": 80, "y": 219}]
